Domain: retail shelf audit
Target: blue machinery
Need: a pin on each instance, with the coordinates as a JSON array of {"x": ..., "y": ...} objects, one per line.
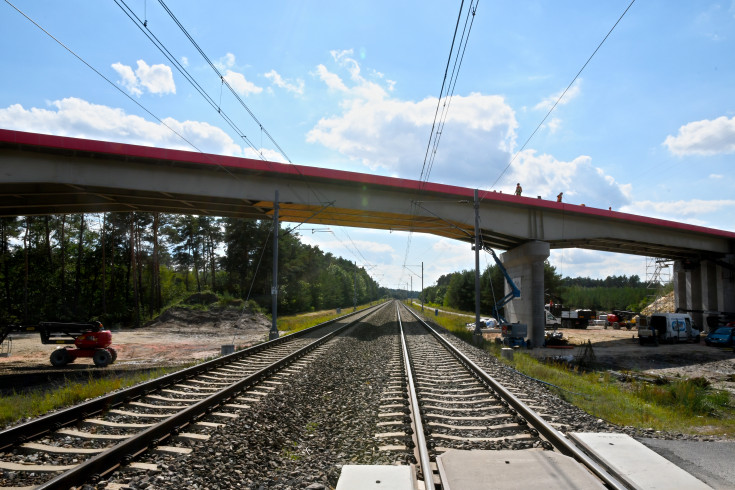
[{"x": 513, "y": 334}]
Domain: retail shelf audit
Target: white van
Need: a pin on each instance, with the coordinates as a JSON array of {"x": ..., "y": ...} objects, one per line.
[
  {"x": 551, "y": 320},
  {"x": 668, "y": 327}
]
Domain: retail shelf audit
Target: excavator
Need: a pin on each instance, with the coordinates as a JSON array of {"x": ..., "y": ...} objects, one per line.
[{"x": 90, "y": 339}]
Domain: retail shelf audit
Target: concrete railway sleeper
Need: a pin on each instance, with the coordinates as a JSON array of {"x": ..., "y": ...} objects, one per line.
[
  {"x": 86, "y": 443},
  {"x": 466, "y": 426}
]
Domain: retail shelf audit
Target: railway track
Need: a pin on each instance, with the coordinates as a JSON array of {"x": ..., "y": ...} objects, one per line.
[
  {"x": 87, "y": 442},
  {"x": 368, "y": 396},
  {"x": 455, "y": 405}
]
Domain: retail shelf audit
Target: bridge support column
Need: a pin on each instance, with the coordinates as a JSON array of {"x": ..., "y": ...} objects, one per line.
[
  {"x": 711, "y": 284},
  {"x": 694, "y": 294},
  {"x": 525, "y": 265},
  {"x": 726, "y": 290},
  {"x": 705, "y": 289},
  {"x": 680, "y": 286}
]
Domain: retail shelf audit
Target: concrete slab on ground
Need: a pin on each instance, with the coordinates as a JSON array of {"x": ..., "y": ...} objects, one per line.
[
  {"x": 376, "y": 477},
  {"x": 479, "y": 470},
  {"x": 637, "y": 465}
]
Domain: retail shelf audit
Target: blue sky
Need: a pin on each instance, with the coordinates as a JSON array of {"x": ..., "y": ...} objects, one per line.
[{"x": 647, "y": 128}]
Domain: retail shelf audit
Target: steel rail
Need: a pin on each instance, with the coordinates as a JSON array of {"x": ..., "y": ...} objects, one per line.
[
  {"x": 102, "y": 464},
  {"x": 47, "y": 423},
  {"x": 421, "y": 446},
  {"x": 556, "y": 438}
]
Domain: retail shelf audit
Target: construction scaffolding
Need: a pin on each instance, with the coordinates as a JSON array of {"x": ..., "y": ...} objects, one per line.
[{"x": 658, "y": 277}]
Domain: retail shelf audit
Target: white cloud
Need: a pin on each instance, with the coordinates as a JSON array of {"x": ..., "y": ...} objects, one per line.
[
  {"x": 577, "y": 262},
  {"x": 82, "y": 119},
  {"x": 706, "y": 137},
  {"x": 554, "y": 124},
  {"x": 390, "y": 135},
  {"x": 157, "y": 79},
  {"x": 333, "y": 81},
  {"x": 129, "y": 80},
  {"x": 579, "y": 180},
  {"x": 185, "y": 61},
  {"x": 240, "y": 85},
  {"x": 689, "y": 210},
  {"x": 571, "y": 94},
  {"x": 227, "y": 61},
  {"x": 716, "y": 176},
  {"x": 296, "y": 87}
]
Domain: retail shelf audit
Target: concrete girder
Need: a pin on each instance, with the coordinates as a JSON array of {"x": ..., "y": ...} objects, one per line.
[{"x": 48, "y": 174}]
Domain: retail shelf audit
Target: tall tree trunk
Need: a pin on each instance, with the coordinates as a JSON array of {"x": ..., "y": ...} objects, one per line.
[
  {"x": 211, "y": 260},
  {"x": 133, "y": 268},
  {"x": 49, "y": 256},
  {"x": 139, "y": 260},
  {"x": 62, "y": 246},
  {"x": 194, "y": 250},
  {"x": 104, "y": 266},
  {"x": 113, "y": 275},
  {"x": 6, "y": 281},
  {"x": 78, "y": 272},
  {"x": 155, "y": 276},
  {"x": 25, "y": 282}
]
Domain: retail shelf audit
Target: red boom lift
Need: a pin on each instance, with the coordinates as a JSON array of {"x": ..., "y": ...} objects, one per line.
[{"x": 90, "y": 339}]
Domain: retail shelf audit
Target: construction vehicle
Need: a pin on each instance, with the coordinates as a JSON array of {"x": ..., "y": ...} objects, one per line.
[
  {"x": 667, "y": 327},
  {"x": 576, "y": 318},
  {"x": 89, "y": 339},
  {"x": 622, "y": 319}
]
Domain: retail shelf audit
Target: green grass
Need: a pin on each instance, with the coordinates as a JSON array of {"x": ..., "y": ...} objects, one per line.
[
  {"x": 687, "y": 405},
  {"x": 295, "y": 323},
  {"x": 16, "y": 406}
]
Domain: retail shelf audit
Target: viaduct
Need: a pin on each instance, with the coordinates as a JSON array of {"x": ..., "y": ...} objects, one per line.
[{"x": 42, "y": 174}]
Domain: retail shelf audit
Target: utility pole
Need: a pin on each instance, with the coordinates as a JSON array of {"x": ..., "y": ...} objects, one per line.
[
  {"x": 478, "y": 331},
  {"x": 354, "y": 288},
  {"x": 273, "y": 334},
  {"x": 422, "y": 286}
]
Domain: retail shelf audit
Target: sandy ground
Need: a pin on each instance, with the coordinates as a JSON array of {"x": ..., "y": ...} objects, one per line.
[{"x": 180, "y": 337}]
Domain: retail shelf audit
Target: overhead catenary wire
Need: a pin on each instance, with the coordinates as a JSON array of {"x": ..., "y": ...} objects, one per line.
[
  {"x": 469, "y": 21},
  {"x": 143, "y": 27},
  {"x": 562, "y": 95},
  {"x": 73, "y": 53},
  {"x": 443, "y": 102},
  {"x": 223, "y": 78}
]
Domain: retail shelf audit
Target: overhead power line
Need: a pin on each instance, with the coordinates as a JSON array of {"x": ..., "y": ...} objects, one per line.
[
  {"x": 447, "y": 99},
  {"x": 224, "y": 80},
  {"x": 562, "y": 94},
  {"x": 143, "y": 26},
  {"x": 73, "y": 53}
]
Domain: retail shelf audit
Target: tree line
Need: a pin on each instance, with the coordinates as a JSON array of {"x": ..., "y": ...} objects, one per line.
[
  {"x": 125, "y": 267},
  {"x": 457, "y": 290}
]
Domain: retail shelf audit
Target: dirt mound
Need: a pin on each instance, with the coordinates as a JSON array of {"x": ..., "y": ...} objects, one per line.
[
  {"x": 219, "y": 318},
  {"x": 664, "y": 304}
]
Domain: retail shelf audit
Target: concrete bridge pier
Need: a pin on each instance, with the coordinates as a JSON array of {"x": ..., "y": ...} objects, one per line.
[
  {"x": 525, "y": 265},
  {"x": 705, "y": 288}
]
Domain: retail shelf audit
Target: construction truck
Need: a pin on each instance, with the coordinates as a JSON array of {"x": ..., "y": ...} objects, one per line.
[
  {"x": 90, "y": 339},
  {"x": 576, "y": 318},
  {"x": 622, "y": 319}
]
